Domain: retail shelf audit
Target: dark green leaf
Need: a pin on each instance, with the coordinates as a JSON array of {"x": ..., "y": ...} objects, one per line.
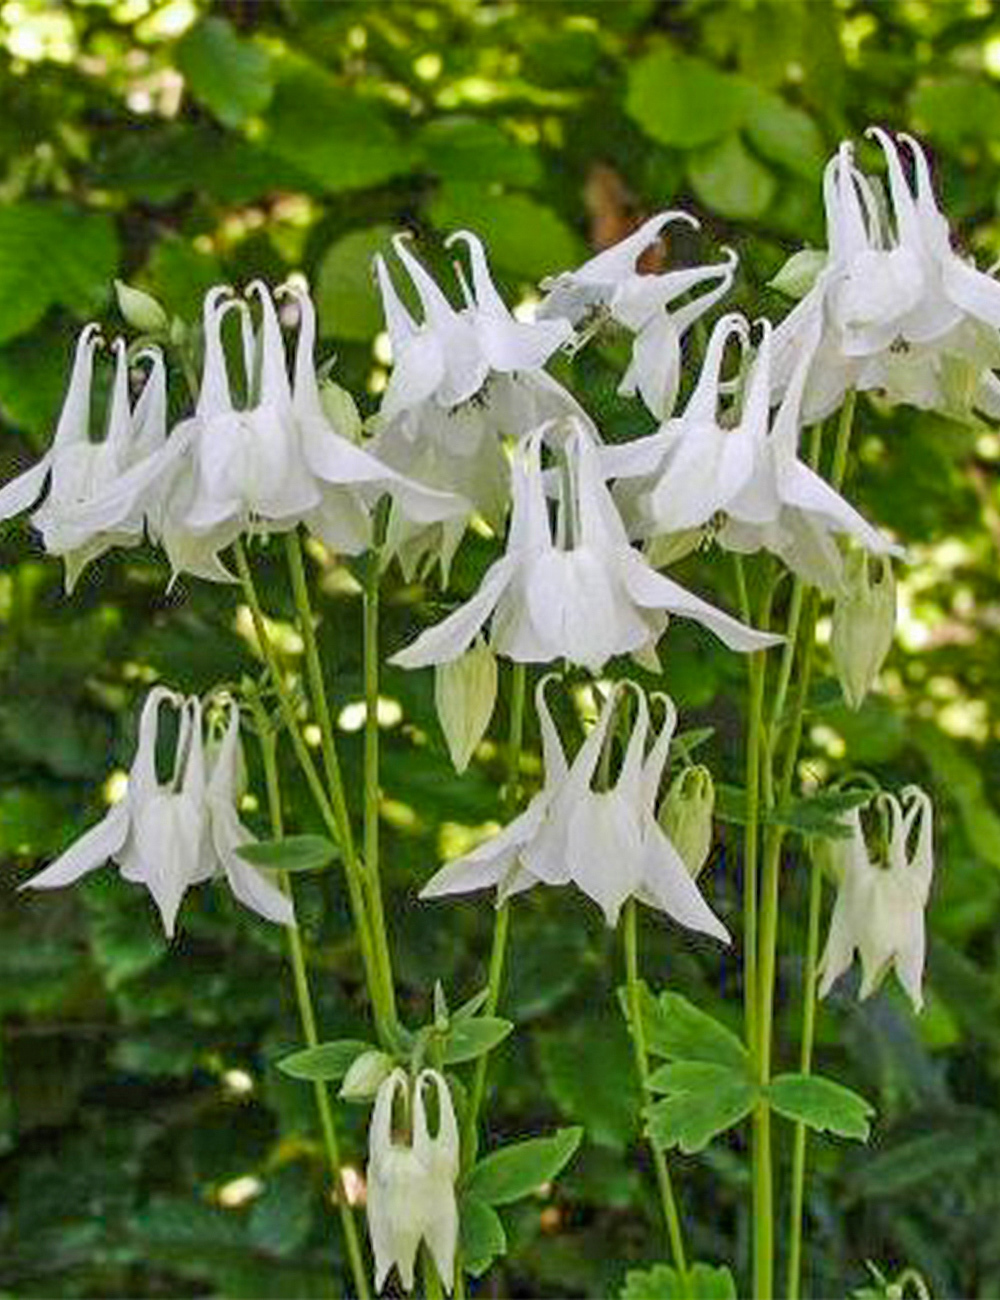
[
  {"x": 522, "y": 235},
  {"x": 480, "y": 1235},
  {"x": 294, "y": 853},
  {"x": 824, "y": 1105},
  {"x": 958, "y": 1141},
  {"x": 516, "y": 1171},
  {"x": 229, "y": 75},
  {"x": 468, "y": 1039},
  {"x": 785, "y": 135},
  {"x": 347, "y": 300},
  {"x": 470, "y": 149},
  {"x": 677, "y": 1029},
  {"x": 589, "y": 1071},
  {"x": 326, "y": 1061},
  {"x": 730, "y": 180}
]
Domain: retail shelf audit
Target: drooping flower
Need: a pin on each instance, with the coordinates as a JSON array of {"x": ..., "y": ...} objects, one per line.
[
  {"x": 168, "y": 835},
  {"x": 879, "y": 911},
  {"x": 583, "y": 594},
  {"x": 738, "y": 471},
  {"x": 411, "y": 1183},
  {"x": 897, "y": 309},
  {"x": 610, "y": 283},
  {"x": 465, "y": 691},
  {"x": 686, "y": 815},
  {"x": 463, "y": 380},
  {"x": 864, "y": 620},
  {"x": 608, "y": 842},
  {"x": 78, "y": 472}
]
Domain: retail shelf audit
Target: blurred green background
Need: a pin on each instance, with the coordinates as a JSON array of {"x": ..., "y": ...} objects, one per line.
[{"x": 148, "y": 1147}]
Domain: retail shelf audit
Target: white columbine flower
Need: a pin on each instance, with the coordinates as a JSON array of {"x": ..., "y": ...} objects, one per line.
[
  {"x": 583, "y": 594},
  {"x": 608, "y": 843},
  {"x": 411, "y": 1183},
  {"x": 611, "y": 283},
  {"x": 79, "y": 472},
  {"x": 738, "y": 472},
  {"x": 879, "y": 910},
  {"x": 170, "y": 834},
  {"x": 463, "y": 380},
  {"x": 898, "y": 310}
]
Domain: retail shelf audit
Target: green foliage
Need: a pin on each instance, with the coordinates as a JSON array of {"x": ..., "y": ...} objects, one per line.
[
  {"x": 703, "y": 1100},
  {"x": 677, "y": 1029},
  {"x": 467, "y": 1039},
  {"x": 294, "y": 853},
  {"x": 326, "y": 1061},
  {"x": 821, "y": 1104},
  {"x": 661, "y": 1282},
  {"x": 517, "y": 1170}
]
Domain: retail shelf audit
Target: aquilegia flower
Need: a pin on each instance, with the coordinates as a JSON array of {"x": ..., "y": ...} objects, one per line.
[
  {"x": 79, "y": 471},
  {"x": 879, "y": 910},
  {"x": 898, "y": 309},
  {"x": 607, "y": 842},
  {"x": 170, "y": 834},
  {"x": 739, "y": 473},
  {"x": 610, "y": 283},
  {"x": 463, "y": 380},
  {"x": 583, "y": 594},
  {"x": 411, "y": 1182}
]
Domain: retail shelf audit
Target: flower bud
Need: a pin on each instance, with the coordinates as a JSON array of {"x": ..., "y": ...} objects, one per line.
[
  {"x": 686, "y": 816},
  {"x": 365, "y": 1076},
  {"x": 465, "y": 690},
  {"x": 669, "y": 548},
  {"x": 798, "y": 275},
  {"x": 141, "y": 309},
  {"x": 864, "y": 619},
  {"x": 341, "y": 410}
]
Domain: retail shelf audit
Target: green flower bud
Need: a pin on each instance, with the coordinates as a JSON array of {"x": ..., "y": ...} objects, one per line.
[
  {"x": 686, "y": 816},
  {"x": 365, "y": 1076},
  {"x": 465, "y": 690},
  {"x": 864, "y": 619},
  {"x": 341, "y": 410},
  {"x": 799, "y": 273},
  {"x": 669, "y": 548},
  {"x": 141, "y": 309}
]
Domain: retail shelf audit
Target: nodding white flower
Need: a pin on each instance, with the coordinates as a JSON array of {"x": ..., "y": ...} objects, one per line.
[
  {"x": 463, "y": 380},
  {"x": 583, "y": 594},
  {"x": 80, "y": 472},
  {"x": 411, "y": 1183},
  {"x": 879, "y": 910},
  {"x": 898, "y": 309},
  {"x": 611, "y": 283},
  {"x": 170, "y": 834},
  {"x": 864, "y": 620},
  {"x": 739, "y": 472},
  {"x": 608, "y": 842},
  {"x": 465, "y": 691}
]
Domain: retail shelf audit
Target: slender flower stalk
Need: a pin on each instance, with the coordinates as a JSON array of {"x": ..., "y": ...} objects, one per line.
[
  {"x": 667, "y": 1199},
  {"x": 307, "y": 1014},
  {"x": 501, "y": 923},
  {"x": 805, "y": 1066}
]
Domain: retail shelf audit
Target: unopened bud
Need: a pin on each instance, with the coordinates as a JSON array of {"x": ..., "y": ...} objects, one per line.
[
  {"x": 799, "y": 273},
  {"x": 341, "y": 410},
  {"x": 465, "y": 691},
  {"x": 365, "y": 1075},
  {"x": 864, "y": 619},
  {"x": 686, "y": 816},
  {"x": 141, "y": 309},
  {"x": 668, "y": 548}
]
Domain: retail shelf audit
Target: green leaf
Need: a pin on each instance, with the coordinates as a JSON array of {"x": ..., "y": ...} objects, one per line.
[
  {"x": 785, "y": 135},
  {"x": 480, "y": 1234},
  {"x": 347, "y": 299},
  {"x": 516, "y": 1171},
  {"x": 661, "y": 1282},
  {"x": 824, "y": 1105},
  {"x": 955, "y": 109},
  {"x": 470, "y": 149},
  {"x": 958, "y": 1141},
  {"x": 229, "y": 75},
  {"x": 689, "y": 741},
  {"x": 729, "y": 180},
  {"x": 684, "y": 102},
  {"x": 705, "y": 1099},
  {"x": 52, "y": 253},
  {"x": 468, "y": 1039},
  {"x": 294, "y": 853},
  {"x": 677, "y": 1029},
  {"x": 336, "y": 136},
  {"x": 180, "y": 276},
  {"x": 523, "y": 236},
  {"x": 588, "y": 1068},
  {"x": 325, "y": 1061},
  {"x": 817, "y": 814}
]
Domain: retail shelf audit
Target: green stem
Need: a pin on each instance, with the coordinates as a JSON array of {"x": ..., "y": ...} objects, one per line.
[
  {"x": 501, "y": 922},
  {"x": 432, "y": 1283},
  {"x": 667, "y": 1200},
  {"x": 372, "y": 877},
  {"x": 313, "y": 780},
  {"x": 805, "y": 1066},
  {"x": 307, "y": 1014}
]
